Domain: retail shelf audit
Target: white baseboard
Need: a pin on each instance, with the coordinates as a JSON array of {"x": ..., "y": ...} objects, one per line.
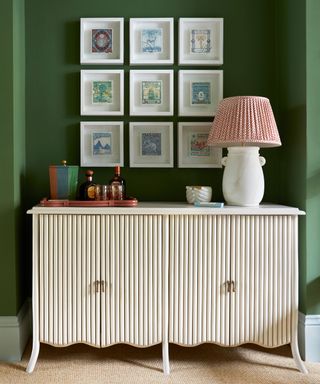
[
  {"x": 14, "y": 333},
  {"x": 309, "y": 337}
]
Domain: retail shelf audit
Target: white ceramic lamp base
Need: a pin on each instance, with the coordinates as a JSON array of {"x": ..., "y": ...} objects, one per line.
[{"x": 243, "y": 180}]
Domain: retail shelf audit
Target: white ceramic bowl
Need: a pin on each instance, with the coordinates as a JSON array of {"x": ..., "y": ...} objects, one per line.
[{"x": 198, "y": 193}]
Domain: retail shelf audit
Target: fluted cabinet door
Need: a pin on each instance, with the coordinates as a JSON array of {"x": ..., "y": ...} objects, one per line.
[
  {"x": 69, "y": 264},
  {"x": 131, "y": 279},
  {"x": 262, "y": 248},
  {"x": 199, "y": 267}
]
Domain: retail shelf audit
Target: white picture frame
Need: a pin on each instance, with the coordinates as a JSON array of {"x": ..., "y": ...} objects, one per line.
[
  {"x": 101, "y": 40},
  {"x": 201, "y": 41},
  {"x": 101, "y": 92},
  {"x": 151, "y": 144},
  {"x": 101, "y": 143},
  {"x": 151, "y": 41},
  {"x": 193, "y": 152},
  {"x": 151, "y": 92},
  {"x": 200, "y": 92}
]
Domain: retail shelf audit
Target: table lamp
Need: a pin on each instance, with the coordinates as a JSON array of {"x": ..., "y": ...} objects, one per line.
[{"x": 243, "y": 124}]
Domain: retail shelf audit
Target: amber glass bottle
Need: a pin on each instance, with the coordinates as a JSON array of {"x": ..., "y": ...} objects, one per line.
[
  {"x": 117, "y": 185},
  {"x": 86, "y": 189}
]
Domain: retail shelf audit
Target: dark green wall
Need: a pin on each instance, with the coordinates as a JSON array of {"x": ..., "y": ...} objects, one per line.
[
  {"x": 268, "y": 47},
  {"x": 312, "y": 255},
  {"x": 298, "y": 59},
  {"x": 53, "y": 84},
  {"x": 291, "y": 95},
  {"x": 12, "y": 152}
]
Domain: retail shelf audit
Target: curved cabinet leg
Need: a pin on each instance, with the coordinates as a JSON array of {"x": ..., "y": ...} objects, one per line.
[
  {"x": 296, "y": 356},
  {"x": 294, "y": 336},
  {"x": 34, "y": 356},
  {"x": 165, "y": 343},
  {"x": 165, "y": 358},
  {"x": 35, "y": 295}
]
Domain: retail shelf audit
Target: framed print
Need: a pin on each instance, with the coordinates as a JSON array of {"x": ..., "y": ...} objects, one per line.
[
  {"x": 151, "y": 41},
  {"x": 101, "y": 144},
  {"x": 201, "y": 41},
  {"x": 151, "y": 92},
  {"x": 193, "y": 151},
  {"x": 200, "y": 92},
  {"x": 102, "y": 92},
  {"x": 151, "y": 145},
  {"x": 101, "y": 41}
]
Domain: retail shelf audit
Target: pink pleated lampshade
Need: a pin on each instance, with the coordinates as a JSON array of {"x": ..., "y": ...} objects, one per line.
[{"x": 244, "y": 121}]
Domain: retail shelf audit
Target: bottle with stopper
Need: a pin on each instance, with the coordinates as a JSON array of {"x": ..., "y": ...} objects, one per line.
[
  {"x": 87, "y": 189},
  {"x": 117, "y": 185}
]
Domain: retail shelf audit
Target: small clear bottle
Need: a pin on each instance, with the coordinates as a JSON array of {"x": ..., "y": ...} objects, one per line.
[
  {"x": 87, "y": 189},
  {"x": 117, "y": 185}
]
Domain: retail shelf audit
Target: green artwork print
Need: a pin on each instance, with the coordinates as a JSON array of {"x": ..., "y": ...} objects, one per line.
[
  {"x": 152, "y": 92},
  {"x": 102, "y": 92}
]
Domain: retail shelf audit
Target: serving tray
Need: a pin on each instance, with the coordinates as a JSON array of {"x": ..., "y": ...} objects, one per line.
[{"x": 129, "y": 202}]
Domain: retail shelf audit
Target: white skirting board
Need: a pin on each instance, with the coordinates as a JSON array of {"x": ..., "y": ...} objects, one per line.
[
  {"x": 14, "y": 333},
  {"x": 309, "y": 337}
]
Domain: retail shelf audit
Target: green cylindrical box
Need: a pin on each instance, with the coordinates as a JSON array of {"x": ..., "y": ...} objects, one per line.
[{"x": 63, "y": 181}]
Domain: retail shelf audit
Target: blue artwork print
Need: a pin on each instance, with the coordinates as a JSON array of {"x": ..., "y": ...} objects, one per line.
[
  {"x": 151, "y": 40},
  {"x": 200, "y": 93},
  {"x": 101, "y": 40},
  {"x": 101, "y": 143},
  {"x": 200, "y": 41},
  {"x": 151, "y": 144}
]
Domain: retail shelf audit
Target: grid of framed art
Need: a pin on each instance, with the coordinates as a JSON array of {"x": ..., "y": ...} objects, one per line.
[{"x": 151, "y": 91}]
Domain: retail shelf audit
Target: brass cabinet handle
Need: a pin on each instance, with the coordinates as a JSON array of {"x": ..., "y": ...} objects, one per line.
[
  {"x": 231, "y": 286},
  {"x": 96, "y": 285},
  {"x": 99, "y": 286}
]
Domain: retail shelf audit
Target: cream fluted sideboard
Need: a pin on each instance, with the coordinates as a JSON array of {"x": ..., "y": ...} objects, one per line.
[{"x": 165, "y": 273}]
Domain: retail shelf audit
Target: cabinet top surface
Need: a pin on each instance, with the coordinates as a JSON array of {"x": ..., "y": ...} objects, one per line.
[{"x": 170, "y": 208}]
